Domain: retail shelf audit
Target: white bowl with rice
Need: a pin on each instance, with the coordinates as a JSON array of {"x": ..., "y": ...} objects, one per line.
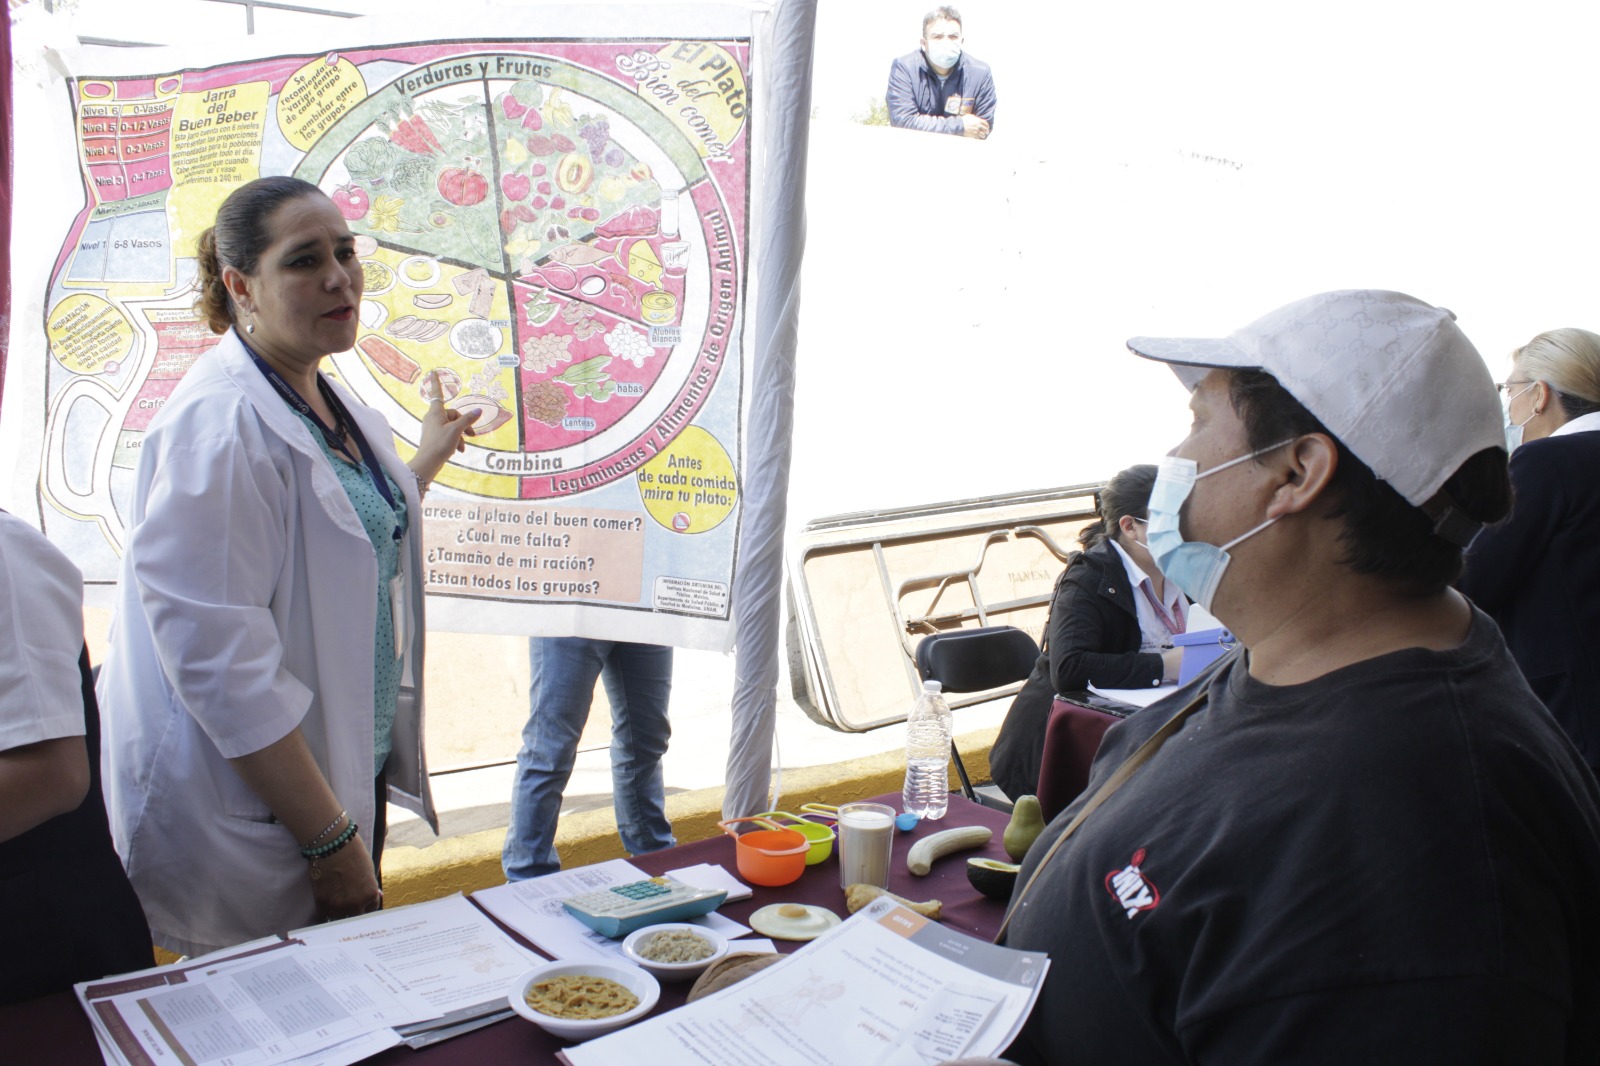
[
  {"x": 571, "y": 997},
  {"x": 674, "y": 951}
]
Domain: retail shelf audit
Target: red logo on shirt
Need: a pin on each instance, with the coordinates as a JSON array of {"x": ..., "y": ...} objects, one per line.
[{"x": 1131, "y": 888}]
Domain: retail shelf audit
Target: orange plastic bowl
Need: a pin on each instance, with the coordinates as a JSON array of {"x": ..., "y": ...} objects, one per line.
[
  {"x": 819, "y": 836},
  {"x": 768, "y": 857}
]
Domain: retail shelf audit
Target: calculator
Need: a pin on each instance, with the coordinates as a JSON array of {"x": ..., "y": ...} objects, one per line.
[{"x": 617, "y": 911}]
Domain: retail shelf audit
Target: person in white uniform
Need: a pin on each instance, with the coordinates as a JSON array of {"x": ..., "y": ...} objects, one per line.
[
  {"x": 67, "y": 912},
  {"x": 262, "y": 692}
]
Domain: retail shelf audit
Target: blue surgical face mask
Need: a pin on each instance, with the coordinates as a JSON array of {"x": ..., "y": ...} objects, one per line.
[
  {"x": 944, "y": 54},
  {"x": 1514, "y": 429},
  {"x": 1195, "y": 567}
]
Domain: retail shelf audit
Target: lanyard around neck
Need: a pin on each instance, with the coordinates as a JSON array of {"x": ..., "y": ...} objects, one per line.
[
  {"x": 1174, "y": 622},
  {"x": 331, "y": 434}
]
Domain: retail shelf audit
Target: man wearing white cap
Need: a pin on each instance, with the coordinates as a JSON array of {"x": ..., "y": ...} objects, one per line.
[{"x": 1360, "y": 838}]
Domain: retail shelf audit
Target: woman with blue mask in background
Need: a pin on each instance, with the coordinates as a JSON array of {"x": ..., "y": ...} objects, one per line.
[
  {"x": 1538, "y": 574},
  {"x": 1112, "y": 619}
]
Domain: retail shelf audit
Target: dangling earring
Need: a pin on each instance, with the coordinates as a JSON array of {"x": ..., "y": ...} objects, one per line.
[{"x": 250, "y": 327}]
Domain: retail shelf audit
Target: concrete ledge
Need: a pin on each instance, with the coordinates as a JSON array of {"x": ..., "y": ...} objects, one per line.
[{"x": 468, "y": 863}]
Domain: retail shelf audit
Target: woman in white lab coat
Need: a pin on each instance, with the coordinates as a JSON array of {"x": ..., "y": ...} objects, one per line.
[{"x": 263, "y": 686}]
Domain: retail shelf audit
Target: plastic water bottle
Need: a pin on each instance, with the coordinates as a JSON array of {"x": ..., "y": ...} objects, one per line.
[{"x": 928, "y": 729}]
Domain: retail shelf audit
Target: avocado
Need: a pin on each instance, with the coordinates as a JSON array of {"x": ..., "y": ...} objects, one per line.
[{"x": 992, "y": 877}]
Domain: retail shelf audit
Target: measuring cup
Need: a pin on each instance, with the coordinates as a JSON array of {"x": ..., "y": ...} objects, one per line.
[
  {"x": 769, "y": 857},
  {"x": 819, "y": 836}
]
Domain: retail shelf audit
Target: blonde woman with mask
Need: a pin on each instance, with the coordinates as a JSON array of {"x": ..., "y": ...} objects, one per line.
[{"x": 1538, "y": 574}]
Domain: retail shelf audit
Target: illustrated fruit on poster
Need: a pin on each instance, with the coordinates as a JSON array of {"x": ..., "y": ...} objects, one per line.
[
  {"x": 574, "y": 172},
  {"x": 352, "y": 201},
  {"x": 515, "y": 186}
]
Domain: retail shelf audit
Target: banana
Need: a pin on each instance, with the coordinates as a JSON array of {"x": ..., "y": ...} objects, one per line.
[{"x": 929, "y": 849}]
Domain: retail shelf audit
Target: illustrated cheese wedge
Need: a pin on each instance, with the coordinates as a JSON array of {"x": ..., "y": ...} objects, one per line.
[{"x": 643, "y": 264}]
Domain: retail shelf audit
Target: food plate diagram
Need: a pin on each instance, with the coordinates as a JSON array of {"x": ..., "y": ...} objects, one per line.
[
  {"x": 554, "y": 231},
  {"x": 551, "y": 244}
]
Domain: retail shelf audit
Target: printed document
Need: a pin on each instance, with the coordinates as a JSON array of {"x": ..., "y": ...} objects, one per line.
[{"x": 888, "y": 987}]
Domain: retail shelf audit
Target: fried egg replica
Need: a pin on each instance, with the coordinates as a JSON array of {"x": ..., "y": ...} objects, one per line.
[{"x": 793, "y": 921}]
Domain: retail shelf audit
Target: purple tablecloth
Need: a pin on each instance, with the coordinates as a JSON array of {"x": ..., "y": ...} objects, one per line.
[{"x": 54, "y": 1030}]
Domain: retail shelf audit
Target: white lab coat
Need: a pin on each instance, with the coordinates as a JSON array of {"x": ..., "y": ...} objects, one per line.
[{"x": 246, "y": 607}]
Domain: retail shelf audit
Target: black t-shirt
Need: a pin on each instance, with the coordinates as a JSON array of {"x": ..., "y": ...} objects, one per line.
[{"x": 1397, "y": 862}]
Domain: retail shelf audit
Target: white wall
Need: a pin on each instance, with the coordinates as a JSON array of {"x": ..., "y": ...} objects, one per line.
[{"x": 965, "y": 304}]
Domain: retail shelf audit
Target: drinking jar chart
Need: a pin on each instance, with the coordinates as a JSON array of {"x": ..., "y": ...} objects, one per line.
[{"x": 557, "y": 228}]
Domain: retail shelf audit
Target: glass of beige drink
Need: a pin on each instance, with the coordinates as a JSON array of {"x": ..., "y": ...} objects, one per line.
[{"x": 866, "y": 839}]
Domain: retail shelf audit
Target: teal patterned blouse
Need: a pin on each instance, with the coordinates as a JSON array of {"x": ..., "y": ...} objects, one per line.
[{"x": 379, "y": 522}]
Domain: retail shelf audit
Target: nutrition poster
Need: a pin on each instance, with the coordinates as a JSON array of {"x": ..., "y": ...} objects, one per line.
[{"x": 558, "y": 223}]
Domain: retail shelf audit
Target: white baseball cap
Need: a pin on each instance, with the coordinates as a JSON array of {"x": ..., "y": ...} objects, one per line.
[{"x": 1393, "y": 378}]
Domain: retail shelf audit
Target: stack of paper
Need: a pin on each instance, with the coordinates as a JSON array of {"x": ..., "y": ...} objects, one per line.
[{"x": 324, "y": 996}]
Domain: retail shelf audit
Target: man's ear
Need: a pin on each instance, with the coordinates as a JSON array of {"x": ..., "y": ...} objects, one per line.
[{"x": 1305, "y": 471}]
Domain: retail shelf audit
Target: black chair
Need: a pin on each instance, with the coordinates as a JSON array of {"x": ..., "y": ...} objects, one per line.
[{"x": 976, "y": 660}]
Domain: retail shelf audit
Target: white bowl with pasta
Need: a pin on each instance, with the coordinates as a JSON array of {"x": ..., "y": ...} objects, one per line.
[
  {"x": 673, "y": 950},
  {"x": 576, "y": 988}
]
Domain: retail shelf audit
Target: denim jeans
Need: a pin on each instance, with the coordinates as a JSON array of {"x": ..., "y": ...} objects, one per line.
[{"x": 638, "y": 679}]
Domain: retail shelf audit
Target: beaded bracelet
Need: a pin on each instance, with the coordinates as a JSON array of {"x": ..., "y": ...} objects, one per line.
[
  {"x": 327, "y": 829},
  {"x": 322, "y": 851}
]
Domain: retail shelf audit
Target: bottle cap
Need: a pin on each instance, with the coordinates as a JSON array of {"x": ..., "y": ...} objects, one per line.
[{"x": 931, "y": 687}]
